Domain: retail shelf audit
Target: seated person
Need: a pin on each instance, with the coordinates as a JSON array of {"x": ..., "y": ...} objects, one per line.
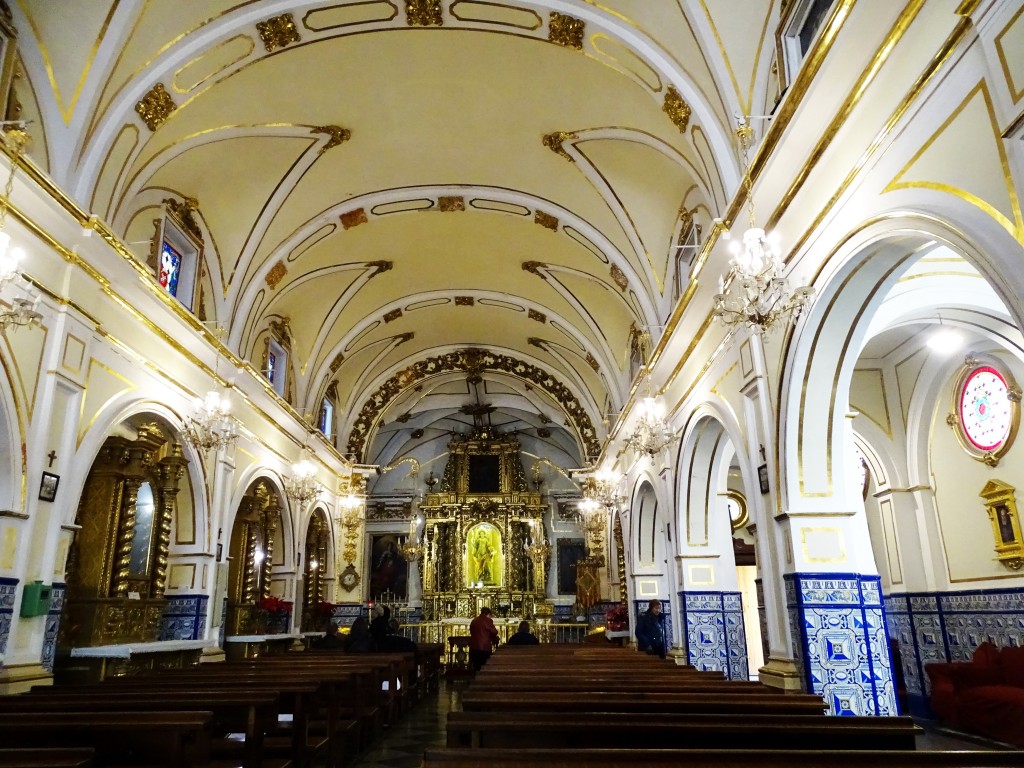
[
  {"x": 359, "y": 640},
  {"x": 394, "y": 642},
  {"x": 523, "y": 636}
]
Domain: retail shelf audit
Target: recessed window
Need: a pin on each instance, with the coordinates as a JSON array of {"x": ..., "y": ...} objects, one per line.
[
  {"x": 326, "y": 421},
  {"x": 276, "y": 366},
  {"x": 177, "y": 253},
  {"x": 799, "y": 26}
]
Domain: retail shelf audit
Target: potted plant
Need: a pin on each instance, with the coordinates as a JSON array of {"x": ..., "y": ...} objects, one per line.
[
  {"x": 616, "y": 618},
  {"x": 277, "y": 612}
]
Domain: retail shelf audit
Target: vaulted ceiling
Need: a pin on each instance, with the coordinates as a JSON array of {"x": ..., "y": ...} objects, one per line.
[{"x": 406, "y": 181}]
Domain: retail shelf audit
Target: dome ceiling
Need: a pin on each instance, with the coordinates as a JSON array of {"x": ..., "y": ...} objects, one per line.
[{"x": 403, "y": 182}]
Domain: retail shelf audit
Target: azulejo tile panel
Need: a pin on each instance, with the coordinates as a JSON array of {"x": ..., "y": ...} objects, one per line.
[
  {"x": 52, "y": 628},
  {"x": 949, "y": 626},
  {"x": 839, "y": 624},
  {"x": 345, "y": 615},
  {"x": 714, "y": 634},
  {"x": 184, "y": 618},
  {"x": 8, "y": 591}
]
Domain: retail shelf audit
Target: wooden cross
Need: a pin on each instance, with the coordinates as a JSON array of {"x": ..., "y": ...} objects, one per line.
[{"x": 52, "y": 456}]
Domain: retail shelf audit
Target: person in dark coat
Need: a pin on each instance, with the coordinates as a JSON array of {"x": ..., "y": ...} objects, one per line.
[
  {"x": 650, "y": 630},
  {"x": 394, "y": 642},
  {"x": 523, "y": 636},
  {"x": 359, "y": 640},
  {"x": 379, "y": 624}
]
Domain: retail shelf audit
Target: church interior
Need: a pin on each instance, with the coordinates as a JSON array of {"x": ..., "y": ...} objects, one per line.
[{"x": 554, "y": 307}]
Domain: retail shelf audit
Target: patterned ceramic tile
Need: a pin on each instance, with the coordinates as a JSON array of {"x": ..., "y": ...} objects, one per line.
[
  {"x": 52, "y": 627},
  {"x": 839, "y": 621},
  {"x": 8, "y": 591},
  {"x": 713, "y": 627},
  {"x": 184, "y": 618}
]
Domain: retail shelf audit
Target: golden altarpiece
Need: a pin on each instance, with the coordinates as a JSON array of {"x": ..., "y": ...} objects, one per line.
[
  {"x": 478, "y": 528},
  {"x": 252, "y": 559},
  {"x": 117, "y": 566}
]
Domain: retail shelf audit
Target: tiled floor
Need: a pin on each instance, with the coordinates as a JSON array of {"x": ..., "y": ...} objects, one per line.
[{"x": 424, "y": 727}]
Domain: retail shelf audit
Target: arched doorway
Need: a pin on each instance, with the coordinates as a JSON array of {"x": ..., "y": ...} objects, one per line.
[
  {"x": 117, "y": 571},
  {"x": 316, "y": 572}
]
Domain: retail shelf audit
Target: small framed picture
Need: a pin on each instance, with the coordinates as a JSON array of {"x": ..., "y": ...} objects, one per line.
[
  {"x": 762, "y": 477},
  {"x": 48, "y": 486}
]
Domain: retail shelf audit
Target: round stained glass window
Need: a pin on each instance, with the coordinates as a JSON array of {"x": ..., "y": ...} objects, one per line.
[{"x": 985, "y": 410}]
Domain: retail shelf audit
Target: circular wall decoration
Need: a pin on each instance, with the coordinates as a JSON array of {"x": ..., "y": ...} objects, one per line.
[
  {"x": 987, "y": 414},
  {"x": 737, "y": 506}
]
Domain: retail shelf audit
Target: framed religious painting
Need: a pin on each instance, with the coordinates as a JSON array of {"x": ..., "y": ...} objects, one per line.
[
  {"x": 1001, "y": 506},
  {"x": 986, "y": 409}
]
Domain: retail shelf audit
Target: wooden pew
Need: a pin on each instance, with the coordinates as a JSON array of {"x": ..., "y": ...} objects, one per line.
[
  {"x": 716, "y": 758},
  {"x": 168, "y": 739},
  {"x": 592, "y": 686},
  {"x": 252, "y": 712},
  {"x": 502, "y": 730},
  {"x": 676, "y": 703},
  {"x": 47, "y": 758},
  {"x": 303, "y": 695}
]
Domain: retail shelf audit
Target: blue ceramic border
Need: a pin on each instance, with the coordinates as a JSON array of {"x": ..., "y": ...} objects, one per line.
[{"x": 8, "y": 592}]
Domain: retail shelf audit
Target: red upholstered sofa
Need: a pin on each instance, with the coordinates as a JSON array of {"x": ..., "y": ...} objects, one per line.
[{"x": 983, "y": 696}]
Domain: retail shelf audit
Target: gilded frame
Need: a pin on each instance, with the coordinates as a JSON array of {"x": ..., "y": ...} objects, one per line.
[
  {"x": 1001, "y": 506},
  {"x": 971, "y": 364}
]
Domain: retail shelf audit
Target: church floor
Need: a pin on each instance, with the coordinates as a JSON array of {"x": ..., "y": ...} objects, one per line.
[{"x": 423, "y": 728}]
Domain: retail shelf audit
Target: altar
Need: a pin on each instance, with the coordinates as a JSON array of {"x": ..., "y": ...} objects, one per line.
[{"x": 483, "y": 536}]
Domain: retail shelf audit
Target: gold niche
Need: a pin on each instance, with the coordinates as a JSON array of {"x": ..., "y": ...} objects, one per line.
[
  {"x": 423, "y": 13},
  {"x": 155, "y": 107},
  {"x": 252, "y": 558},
  {"x": 1001, "y": 506},
  {"x": 278, "y": 31},
  {"x": 117, "y": 566},
  {"x": 678, "y": 111},
  {"x": 566, "y": 30}
]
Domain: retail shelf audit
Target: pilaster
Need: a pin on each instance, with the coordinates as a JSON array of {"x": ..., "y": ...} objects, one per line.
[{"x": 714, "y": 633}]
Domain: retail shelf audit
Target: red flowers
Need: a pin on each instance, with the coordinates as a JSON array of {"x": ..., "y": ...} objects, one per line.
[
  {"x": 274, "y": 605},
  {"x": 324, "y": 608},
  {"x": 617, "y": 618}
]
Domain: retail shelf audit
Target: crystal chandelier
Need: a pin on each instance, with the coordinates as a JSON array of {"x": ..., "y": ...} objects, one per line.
[
  {"x": 652, "y": 432},
  {"x": 754, "y": 292},
  {"x": 537, "y": 548},
  {"x": 411, "y": 548},
  {"x": 23, "y": 308},
  {"x": 302, "y": 487},
  {"x": 210, "y": 424}
]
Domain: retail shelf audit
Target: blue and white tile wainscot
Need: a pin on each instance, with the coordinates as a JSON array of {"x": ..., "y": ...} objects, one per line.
[
  {"x": 184, "y": 617},
  {"x": 715, "y": 639},
  {"x": 949, "y": 626},
  {"x": 838, "y": 623},
  {"x": 52, "y": 626},
  {"x": 8, "y": 591}
]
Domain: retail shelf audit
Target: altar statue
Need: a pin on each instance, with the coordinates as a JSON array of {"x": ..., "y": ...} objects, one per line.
[{"x": 483, "y": 555}]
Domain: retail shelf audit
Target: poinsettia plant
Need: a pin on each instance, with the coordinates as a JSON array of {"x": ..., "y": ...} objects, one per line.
[
  {"x": 274, "y": 605},
  {"x": 616, "y": 618}
]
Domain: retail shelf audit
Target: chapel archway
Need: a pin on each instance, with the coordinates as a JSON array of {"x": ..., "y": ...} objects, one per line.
[
  {"x": 317, "y": 571},
  {"x": 118, "y": 573},
  {"x": 720, "y": 609},
  {"x": 257, "y": 548}
]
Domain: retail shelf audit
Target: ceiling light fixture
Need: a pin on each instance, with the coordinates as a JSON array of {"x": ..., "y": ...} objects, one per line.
[
  {"x": 945, "y": 340},
  {"x": 210, "y": 424},
  {"x": 302, "y": 487},
  {"x": 754, "y": 293},
  {"x": 652, "y": 432}
]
